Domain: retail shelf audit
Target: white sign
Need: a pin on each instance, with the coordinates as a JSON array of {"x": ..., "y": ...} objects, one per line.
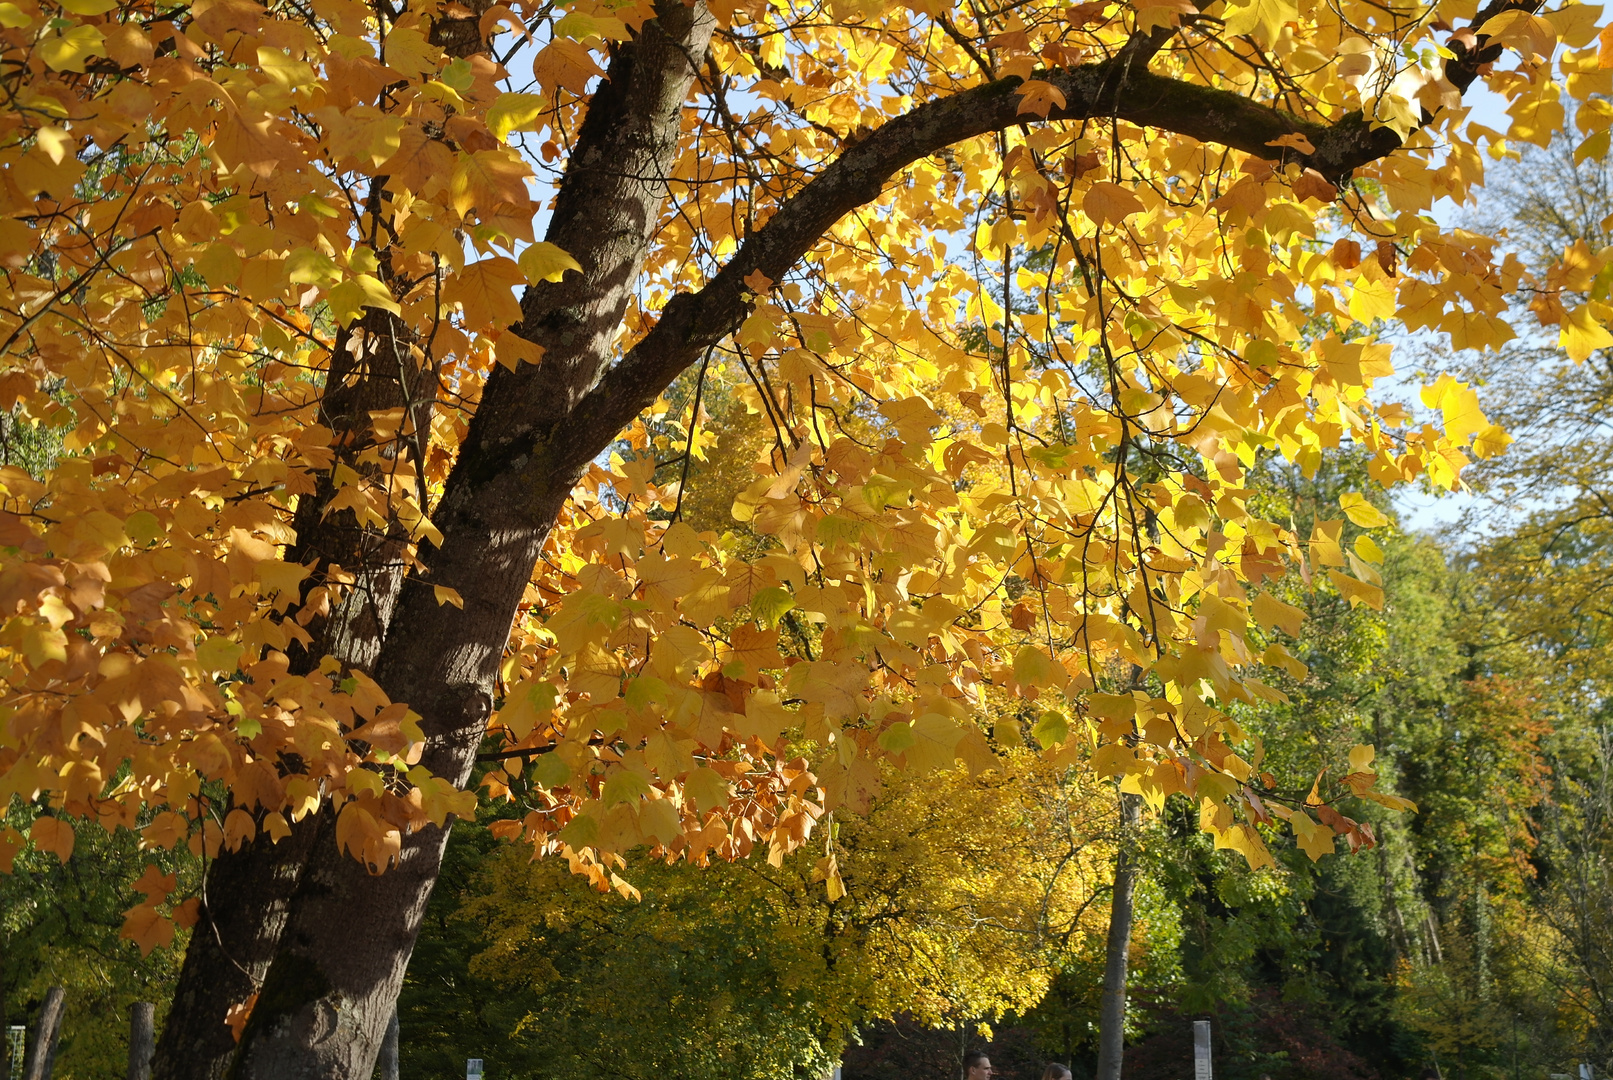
[
  {"x": 473, "y": 1069},
  {"x": 1586, "y": 1072},
  {"x": 1201, "y": 1050}
]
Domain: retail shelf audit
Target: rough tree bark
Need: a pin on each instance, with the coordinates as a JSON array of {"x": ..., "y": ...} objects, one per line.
[
  {"x": 42, "y": 1051},
  {"x": 1117, "y": 948},
  {"x": 334, "y": 981},
  {"x": 371, "y": 370},
  {"x": 142, "y": 1032},
  {"x": 333, "y": 973},
  {"x": 233, "y": 944}
]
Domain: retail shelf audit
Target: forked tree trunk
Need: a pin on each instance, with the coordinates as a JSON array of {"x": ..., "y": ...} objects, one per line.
[
  {"x": 1112, "y": 1007},
  {"x": 245, "y": 901},
  {"x": 333, "y": 983}
]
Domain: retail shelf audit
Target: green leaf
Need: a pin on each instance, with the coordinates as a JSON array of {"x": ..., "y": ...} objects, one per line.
[
  {"x": 898, "y": 738},
  {"x": 623, "y": 785},
  {"x": 770, "y": 604},
  {"x": 1051, "y": 728},
  {"x": 550, "y": 771},
  {"x": 458, "y": 75}
]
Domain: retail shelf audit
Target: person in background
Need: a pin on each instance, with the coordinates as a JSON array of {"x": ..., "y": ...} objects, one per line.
[
  {"x": 1055, "y": 1071},
  {"x": 976, "y": 1066}
]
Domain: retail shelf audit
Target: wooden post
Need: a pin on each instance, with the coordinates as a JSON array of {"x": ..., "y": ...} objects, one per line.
[
  {"x": 387, "y": 1062},
  {"x": 42, "y": 1054},
  {"x": 142, "y": 1039}
]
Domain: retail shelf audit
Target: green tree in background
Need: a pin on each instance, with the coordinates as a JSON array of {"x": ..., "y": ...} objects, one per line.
[{"x": 61, "y": 924}]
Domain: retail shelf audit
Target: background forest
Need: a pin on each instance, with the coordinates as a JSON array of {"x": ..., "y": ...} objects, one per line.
[{"x": 1476, "y": 938}]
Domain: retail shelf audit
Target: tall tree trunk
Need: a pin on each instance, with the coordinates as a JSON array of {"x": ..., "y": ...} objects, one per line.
[
  {"x": 42, "y": 1052},
  {"x": 142, "y": 1032},
  {"x": 1112, "y": 1007},
  {"x": 371, "y": 369},
  {"x": 334, "y": 980},
  {"x": 234, "y": 942},
  {"x": 245, "y": 901}
]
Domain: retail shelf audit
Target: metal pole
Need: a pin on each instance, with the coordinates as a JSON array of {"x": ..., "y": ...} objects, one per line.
[
  {"x": 387, "y": 1062},
  {"x": 1201, "y": 1050}
]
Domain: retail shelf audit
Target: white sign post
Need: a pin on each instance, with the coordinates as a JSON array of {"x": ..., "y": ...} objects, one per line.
[
  {"x": 1201, "y": 1050},
  {"x": 473, "y": 1069}
]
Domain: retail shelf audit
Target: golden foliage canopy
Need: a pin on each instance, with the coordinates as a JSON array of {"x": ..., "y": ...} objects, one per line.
[{"x": 1021, "y": 290}]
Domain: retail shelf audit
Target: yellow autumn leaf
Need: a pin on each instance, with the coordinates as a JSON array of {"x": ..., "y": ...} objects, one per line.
[
  {"x": 1462, "y": 414},
  {"x": 544, "y": 261},
  {"x": 1576, "y": 24},
  {"x": 1523, "y": 30},
  {"x": 1367, "y": 549},
  {"x": 54, "y": 835},
  {"x": 1372, "y": 300},
  {"x": 485, "y": 291},
  {"x": 1038, "y": 97},
  {"x": 1105, "y": 201},
  {"x": 514, "y": 112},
  {"x": 1357, "y": 592},
  {"x": 147, "y": 928},
  {"x": 1271, "y": 612},
  {"x": 1594, "y": 147},
  {"x": 1582, "y": 333},
  {"x": 1314, "y": 839},
  {"x": 1263, "y": 19},
  {"x": 70, "y": 49},
  {"x": 1490, "y": 442},
  {"x": 1363, "y": 513},
  {"x": 1361, "y": 758}
]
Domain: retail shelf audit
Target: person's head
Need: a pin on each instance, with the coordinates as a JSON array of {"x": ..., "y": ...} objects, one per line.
[
  {"x": 976, "y": 1066},
  {"x": 1055, "y": 1071}
]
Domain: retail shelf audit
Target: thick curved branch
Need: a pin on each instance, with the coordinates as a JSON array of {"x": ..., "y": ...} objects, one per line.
[{"x": 1117, "y": 89}]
